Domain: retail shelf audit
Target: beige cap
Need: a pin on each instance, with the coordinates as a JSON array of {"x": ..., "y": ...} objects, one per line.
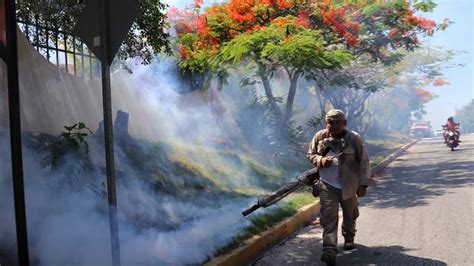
[{"x": 335, "y": 115}]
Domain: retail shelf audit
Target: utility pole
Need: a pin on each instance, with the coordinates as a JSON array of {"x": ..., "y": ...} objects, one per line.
[
  {"x": 103, "y": 26},
  {"x": 108, "y": 132}
]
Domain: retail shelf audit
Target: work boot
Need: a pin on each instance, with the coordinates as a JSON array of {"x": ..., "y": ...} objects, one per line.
[
  {"x": 329, "y": 257},
  {"x": 349, "y": 244}
]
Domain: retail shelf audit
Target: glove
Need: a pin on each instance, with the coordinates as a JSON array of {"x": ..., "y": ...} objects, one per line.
[
  {"x": 316, "y": 189},
  {"x": 362, "y": 191}
]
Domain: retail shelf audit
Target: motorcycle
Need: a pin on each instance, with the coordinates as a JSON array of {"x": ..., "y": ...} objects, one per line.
[{"x": 452, "y": 139}]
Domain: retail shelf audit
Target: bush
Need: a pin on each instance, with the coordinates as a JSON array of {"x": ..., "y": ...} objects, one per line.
[{"x": 465, "y": 116}]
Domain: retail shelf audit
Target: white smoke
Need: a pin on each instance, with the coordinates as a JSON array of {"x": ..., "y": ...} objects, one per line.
[{"x": 71, "y": 227}]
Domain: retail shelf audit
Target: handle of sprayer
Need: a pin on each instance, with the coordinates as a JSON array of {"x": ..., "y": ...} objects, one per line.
[{"x": 250, "y": 210}]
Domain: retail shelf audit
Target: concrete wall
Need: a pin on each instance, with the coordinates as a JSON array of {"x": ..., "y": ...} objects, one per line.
[{"x": 52, "y": 98}]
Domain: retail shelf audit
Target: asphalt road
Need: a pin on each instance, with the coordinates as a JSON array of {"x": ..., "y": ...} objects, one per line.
[{"x": 420, "y": 213}]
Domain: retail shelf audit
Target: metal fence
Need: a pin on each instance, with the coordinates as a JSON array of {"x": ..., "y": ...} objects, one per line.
[{"x": 62, "y": 49}]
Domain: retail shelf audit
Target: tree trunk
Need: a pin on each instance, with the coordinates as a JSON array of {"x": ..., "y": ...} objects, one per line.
[
  {"x": 291, "y": 97},
  {"x": 268, "y": 92},
  {"x": 322, "y": 100}
]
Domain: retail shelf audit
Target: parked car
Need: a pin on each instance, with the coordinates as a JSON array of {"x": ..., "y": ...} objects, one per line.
[{"x": 420, "y": 129}]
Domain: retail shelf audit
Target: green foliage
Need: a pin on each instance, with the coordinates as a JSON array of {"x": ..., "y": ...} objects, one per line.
[
  {"x": 246, "y": 45},
  {"x": 286, "y": 45},
  {"x": 465, "y": 116},
  {"x": 392, "y": 24},
  {"x": 199, "y": 62},
  {"x": 317, "y": 121},
  {"x": 75, "y": 136},
  {"x": 305, "y": 51},
  {"x": 70, "y": 142},
  {"x": 147, "y": 36},
  {"x": 424, "y": 5}
]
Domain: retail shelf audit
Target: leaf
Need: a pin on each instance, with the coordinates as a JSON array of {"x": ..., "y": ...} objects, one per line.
[
  {"x": 425, "y": 6},
  {"x": 207, "y": 83},
  {"x": 69, "y": 128},
  {"x": 246, "y": 82}
]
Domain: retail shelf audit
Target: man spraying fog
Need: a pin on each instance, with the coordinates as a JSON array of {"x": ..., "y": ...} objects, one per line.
[{"x": 344, "y": 176}]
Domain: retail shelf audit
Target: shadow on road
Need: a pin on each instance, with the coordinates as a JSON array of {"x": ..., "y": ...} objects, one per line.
[
  {"x": 414, "y": 179},
  {"x": 390, "y": 255},
  {"x": 308, "y": 252}
]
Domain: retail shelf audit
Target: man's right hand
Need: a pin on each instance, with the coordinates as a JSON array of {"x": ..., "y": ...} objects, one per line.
[{"x": 326, "y": 161}]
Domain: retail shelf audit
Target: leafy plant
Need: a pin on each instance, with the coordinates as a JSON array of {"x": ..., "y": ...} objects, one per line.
[
  {"x": 75, "y": 136},
  {"x": 465, "y": 116},
  {"x": 70, "y": 142}
]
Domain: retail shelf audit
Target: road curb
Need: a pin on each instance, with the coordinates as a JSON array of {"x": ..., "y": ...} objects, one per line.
[
  {"x": 253, "y": 247},
  {"x": 266, "y": 240},
  {"x": 381, "y": 166}
]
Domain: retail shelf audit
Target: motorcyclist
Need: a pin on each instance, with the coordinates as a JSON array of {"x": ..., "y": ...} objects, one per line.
[{"x": 451, "y": 126}]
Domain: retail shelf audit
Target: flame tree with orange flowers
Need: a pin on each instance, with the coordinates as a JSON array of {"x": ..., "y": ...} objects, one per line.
[{"x": 300, "y": 38}]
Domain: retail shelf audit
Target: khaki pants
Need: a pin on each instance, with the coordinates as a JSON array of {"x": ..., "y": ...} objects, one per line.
[{"x": 330, "y": 198}]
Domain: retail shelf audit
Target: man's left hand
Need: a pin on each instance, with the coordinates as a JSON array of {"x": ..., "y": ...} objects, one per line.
[{"x": 362, "y": 191}]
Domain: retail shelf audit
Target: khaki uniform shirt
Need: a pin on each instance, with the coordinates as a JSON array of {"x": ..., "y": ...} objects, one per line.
[{"x": 354, "y": 165}]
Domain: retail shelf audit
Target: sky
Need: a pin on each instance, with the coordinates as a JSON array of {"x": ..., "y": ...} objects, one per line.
[{"x": 458, "y": 37}]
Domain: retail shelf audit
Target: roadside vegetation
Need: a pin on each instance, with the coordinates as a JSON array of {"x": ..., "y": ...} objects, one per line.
[{"x": 465, "y": 116}]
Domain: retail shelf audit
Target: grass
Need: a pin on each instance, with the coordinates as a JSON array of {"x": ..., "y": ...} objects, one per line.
[
  {"x": 260, "y": 169},
  {"x": 377, "y": 159},
  {"x": 262, "y": 222},
  {"x": 379, "y": 149},
  {"x": 230, "y": 170},
  {"x": 194, "y": 165}
]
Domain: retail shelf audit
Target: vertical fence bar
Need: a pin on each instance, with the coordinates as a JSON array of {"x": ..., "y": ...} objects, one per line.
[
  {"x": 82, "y": 60},
  {"x": 27, "y": 28},
  {"x": 65, "y": 51},
  {"x": 90, "y": 63},
  {"x": 47, "y": 41},
  {"x": 57, "y": 46},
  {"x": 74, "y": 53},
  {"x": 15, "y": 133},
  {"x": 37, "y": 32}
]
